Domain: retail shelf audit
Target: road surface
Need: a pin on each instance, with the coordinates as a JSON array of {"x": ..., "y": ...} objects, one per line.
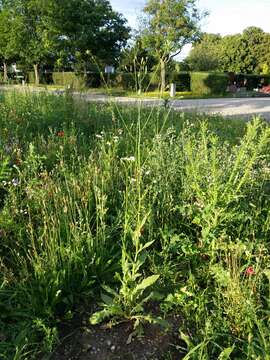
[{"x": 239, "y": 107}]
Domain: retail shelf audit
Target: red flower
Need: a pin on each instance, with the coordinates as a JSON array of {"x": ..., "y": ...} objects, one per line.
[
  {"x": 250, "y": 271},
  {"x": 18, "y": 161},
  {"x": 60, "y": 133}
]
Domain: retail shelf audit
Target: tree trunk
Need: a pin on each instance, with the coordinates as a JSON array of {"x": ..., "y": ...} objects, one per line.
[
  {"x": 5, "y": 72},
  {"x": 163, "y": 75},
  {"x": 36, "y": 70}
]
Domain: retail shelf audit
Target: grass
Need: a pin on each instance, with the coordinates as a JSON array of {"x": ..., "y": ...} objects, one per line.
[{"x": 132, "y": 206}]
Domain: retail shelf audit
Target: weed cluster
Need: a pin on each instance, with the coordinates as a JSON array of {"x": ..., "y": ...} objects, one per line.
[{"x": 133, "y": 206}]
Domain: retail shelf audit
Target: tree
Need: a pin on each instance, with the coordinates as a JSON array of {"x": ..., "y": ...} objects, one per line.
[
  {"x": 5, "y": 40},
  {"x": 252, "y": 38},
  {"x": 170, "y": 25},
  {"x": 9, "y": 29},
  {"x": 136, "y": 56},
  {"x": 73, "y": 31},
  {"x": 205, "y": 53},
  {"x": 240, "y": 53},
  {"x": 87, "y": 29},
  {"x": 32, "y": 36}
]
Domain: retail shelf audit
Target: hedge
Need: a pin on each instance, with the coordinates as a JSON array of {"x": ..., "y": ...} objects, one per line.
[
  {"x": 68, "y": 79},
  {"x": 201, "y": 83},
  {"x": 204, "y": 83},
  {"x": 45, "y": 78},
  {"x": 75, "y": 80},
  {"x": 181, "y": 79}
]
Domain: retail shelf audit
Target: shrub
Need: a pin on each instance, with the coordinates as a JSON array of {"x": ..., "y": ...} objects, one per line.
[
  {"x": 203, "y": 83},
  {"x": 75, "y": 80},
  {"x": 125, "y": 81},
  {"x": 45, "y": 78},
  {"x": 30, "y": 77},
  {"x": 68, "y": 79},
  {"x": 131, "y": 81}
]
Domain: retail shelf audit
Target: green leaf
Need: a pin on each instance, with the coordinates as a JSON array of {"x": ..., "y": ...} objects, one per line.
[
  {"x": 106, "y": 299},
  {"x": 186, "y": 339},
  {"x": 150, "y": 280},
  {"x": 145, "y": 246},
  {"x": 110, "y": 290},
  {"x": 99, "y": 316},
  {"x": 225, "y": 354},
  {"x": 106, "y": 313}
]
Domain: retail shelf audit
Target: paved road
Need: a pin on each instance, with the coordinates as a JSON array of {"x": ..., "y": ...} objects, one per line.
[{"x": 244, "y": 107}]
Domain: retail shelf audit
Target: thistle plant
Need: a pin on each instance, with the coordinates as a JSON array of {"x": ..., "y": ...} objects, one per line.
[{"x": 127, "y": 303}]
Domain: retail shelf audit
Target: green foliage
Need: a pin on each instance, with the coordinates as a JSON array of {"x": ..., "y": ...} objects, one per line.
[
  {"x": 168, "y": 211},
  {"x": 205, "y": 54},
  {"x": 134, "y": 56},
  {"x": 170, "y": 24},
  {"x": 246, "y": 53},
  {"x": 181, "y": 79},
  {"x": 43, "y": 33},
  {"x": 208, "y": 83},
  {"x": 68, "y": 79},
  {"x": 91, "y": 29}
]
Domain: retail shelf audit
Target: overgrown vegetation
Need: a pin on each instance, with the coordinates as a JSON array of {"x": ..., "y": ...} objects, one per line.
[{"x": 130, "y": 206}]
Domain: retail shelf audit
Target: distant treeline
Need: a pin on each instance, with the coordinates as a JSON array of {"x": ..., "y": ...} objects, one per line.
[{"x": 247, "y": 53}]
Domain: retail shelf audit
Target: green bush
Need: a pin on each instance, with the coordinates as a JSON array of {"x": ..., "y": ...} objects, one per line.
[
  {"x": 45, "y": 78},
  {"x": 203, "y": 83},
  {"x": 125, "y": 81},
  {"x": 131, "y": 81},
  {"x": 68, "y": 79},
  {"x": 30, "y": 77}
]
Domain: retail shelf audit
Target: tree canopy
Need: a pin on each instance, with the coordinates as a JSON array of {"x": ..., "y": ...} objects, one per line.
[
  {"x": 248, "y": 52},
  {"x": 169, "y": 25},
  {"x": 69, "y": 32}
]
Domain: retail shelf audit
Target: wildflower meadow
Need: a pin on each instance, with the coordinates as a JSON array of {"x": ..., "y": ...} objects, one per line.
[{"x": 143, "y": 219}]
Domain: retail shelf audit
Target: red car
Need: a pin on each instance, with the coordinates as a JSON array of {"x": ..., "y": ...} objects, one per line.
[{"x": 265, "y": 89}]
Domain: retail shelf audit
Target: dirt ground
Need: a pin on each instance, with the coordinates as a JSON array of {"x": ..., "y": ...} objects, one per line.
[{"x": 81, "y": 341}]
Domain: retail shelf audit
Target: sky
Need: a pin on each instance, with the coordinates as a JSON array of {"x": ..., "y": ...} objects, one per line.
[{"x": 225, "y": 16}]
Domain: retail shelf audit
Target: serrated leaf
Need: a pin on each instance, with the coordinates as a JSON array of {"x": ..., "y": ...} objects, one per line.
[
  {"x": 106, "y": 313},
  {"x": 99, "y": 316}
]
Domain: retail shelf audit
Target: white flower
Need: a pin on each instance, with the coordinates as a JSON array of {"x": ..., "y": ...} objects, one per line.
[
  {"x": 99, "y": 136},
  {"x": 130, "y": 158},
  {"x": 15, "y": 182}
]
